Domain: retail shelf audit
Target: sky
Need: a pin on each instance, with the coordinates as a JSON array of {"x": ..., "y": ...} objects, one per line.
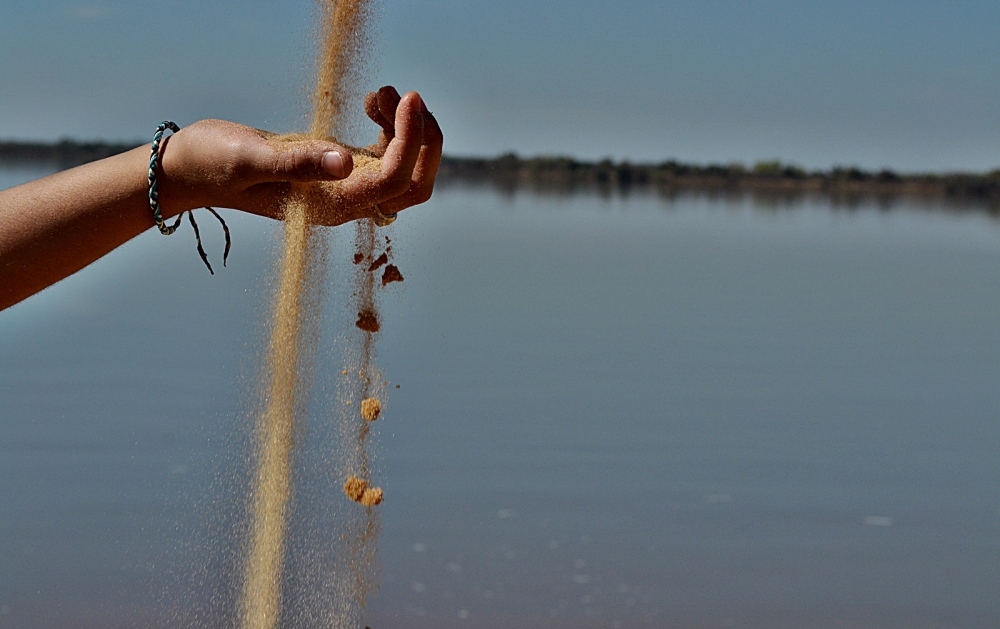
[{"x": 905, "y": 85}]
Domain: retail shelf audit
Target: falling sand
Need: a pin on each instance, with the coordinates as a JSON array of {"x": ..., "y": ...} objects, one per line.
[
  {"x": 343, "y": 28},
  {"x": 364, "y": 532}
]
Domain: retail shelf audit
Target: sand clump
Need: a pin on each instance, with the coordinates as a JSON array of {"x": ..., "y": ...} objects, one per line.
[
  {"x": 370, "y": 408},
  {"x": 391, "y": 274},
  {"x": 357, "y": 489},
  {"x": 371, "y": 497},
  {"x": 379, "y": 261},
  {"x": 354, "y": 487},
  {"x": 368, "y": 321}
]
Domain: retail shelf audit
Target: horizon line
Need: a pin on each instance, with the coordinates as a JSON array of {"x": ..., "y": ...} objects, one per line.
[{"x": 88, "y": 150}]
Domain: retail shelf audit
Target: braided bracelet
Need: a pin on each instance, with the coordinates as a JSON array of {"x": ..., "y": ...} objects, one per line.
[{"x": 154, "y": 200}]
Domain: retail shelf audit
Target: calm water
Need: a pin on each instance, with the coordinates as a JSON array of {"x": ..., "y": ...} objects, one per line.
[{"x": 612, "y": 413}]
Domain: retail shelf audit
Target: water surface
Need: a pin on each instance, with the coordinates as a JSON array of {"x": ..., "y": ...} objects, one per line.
[{"x": 613, "y": 412}]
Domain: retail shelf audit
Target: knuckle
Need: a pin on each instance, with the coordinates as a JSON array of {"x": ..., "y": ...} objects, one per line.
[
  {"x": 285, "y": 163},
  {"x": 397, "y": 184},
  {"x": 291, "y": 164}
]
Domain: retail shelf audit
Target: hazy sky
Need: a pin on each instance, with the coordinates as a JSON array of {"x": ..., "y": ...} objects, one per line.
[{"x": 910, "y": 85}]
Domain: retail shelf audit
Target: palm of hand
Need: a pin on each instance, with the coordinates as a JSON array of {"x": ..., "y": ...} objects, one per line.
[{"x": 217, "y": 163}]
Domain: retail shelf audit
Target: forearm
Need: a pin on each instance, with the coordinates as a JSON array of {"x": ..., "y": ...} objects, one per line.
[{"x": 55, "y": 226}]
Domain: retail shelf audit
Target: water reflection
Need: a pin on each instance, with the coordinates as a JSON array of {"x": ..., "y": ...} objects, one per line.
[{"x": 764, "y": 199}]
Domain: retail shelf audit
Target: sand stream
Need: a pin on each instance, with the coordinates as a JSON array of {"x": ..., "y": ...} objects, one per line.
[{"x": 343, "y": 31}]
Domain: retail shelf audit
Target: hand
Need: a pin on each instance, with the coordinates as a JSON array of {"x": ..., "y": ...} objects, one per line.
[{"x": 218, "y": 163}]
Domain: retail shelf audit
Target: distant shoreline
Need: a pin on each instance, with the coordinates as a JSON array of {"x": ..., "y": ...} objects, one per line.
[
  {"x": 510, "y": 173},
  {"x": 766, "y": 181}
]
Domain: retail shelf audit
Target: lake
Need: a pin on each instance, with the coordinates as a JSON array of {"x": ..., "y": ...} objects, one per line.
[{"x": 614, "y": 411}]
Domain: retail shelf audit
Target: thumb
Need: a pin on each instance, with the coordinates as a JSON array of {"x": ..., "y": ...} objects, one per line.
[{"x": 308, "y": 161}]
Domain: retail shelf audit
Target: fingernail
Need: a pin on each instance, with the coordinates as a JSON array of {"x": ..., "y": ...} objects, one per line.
[{"x": 333, "y": 163}]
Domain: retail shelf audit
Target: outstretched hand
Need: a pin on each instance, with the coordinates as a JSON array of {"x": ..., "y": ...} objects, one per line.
[
  {"x": 52, "y": 227},
  {"x": 218, "y": 163}
]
